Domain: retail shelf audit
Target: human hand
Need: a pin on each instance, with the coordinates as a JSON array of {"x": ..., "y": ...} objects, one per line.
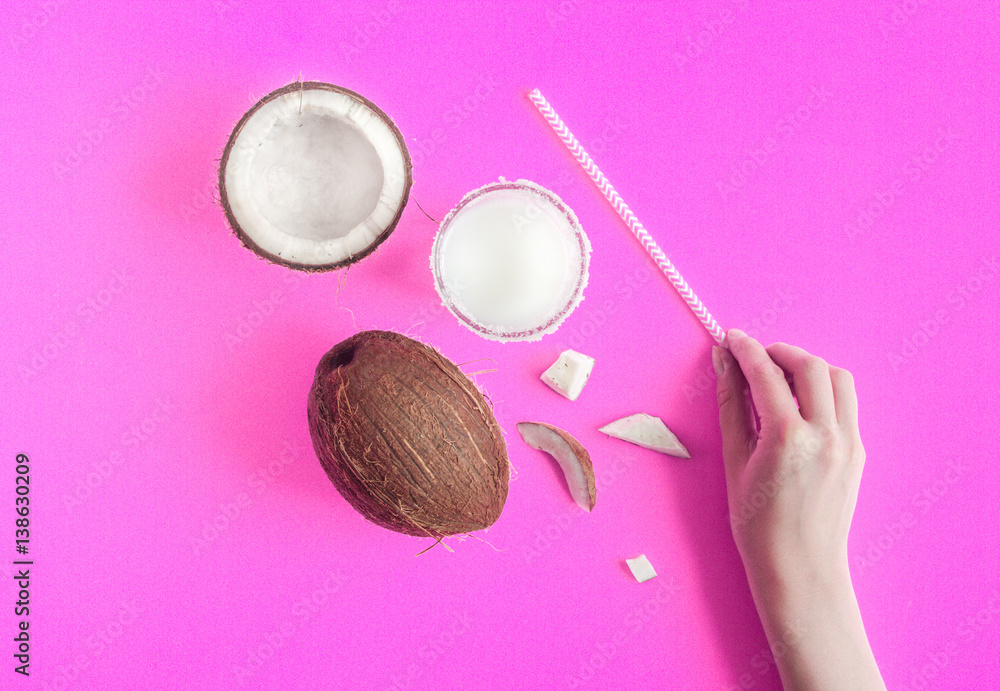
[
  {"x": 793, "y": 484},
  {"x": 793, "y": 487}
]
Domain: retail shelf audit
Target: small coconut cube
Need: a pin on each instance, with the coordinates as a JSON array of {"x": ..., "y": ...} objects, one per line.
[
  {"x": 641, "y": 568},
  {"x": 569, "y": 373}
]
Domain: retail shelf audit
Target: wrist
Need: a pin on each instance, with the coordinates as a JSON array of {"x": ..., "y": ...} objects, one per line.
[
  {"x": 813, "y": 625},
  {"x": 787, "y": 597}
]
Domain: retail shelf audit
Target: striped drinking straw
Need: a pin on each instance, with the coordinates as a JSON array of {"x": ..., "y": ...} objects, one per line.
[{"x": 668, "y": 269}]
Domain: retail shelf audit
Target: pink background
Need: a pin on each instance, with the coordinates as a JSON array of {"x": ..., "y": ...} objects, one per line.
[{"x": 156, "y": 372}]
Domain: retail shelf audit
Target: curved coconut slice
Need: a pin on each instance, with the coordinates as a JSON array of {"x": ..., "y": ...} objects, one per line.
[
  {"x": 571, "y": 456},
  {"x": 314, "y": 177},
  {"x": 647, "y": 431}
]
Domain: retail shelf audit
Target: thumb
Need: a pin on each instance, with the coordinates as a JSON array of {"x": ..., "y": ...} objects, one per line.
[{"x": 739, "y": 432}]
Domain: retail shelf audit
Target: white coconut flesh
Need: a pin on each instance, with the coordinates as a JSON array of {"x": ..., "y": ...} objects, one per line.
[
  {"x": 551, "y": 441},
  {"x": 647, "y": 431},
  {"x": 316, "y": 177},
  {"x": 641, "y": 568},
  {"x": 569, "y": 373}
]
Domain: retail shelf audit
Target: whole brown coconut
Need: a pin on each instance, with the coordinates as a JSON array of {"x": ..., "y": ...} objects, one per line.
[{"x": 406, "y": 438}]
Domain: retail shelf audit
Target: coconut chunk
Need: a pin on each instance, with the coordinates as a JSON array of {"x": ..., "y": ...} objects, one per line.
[
  {"x": 647, "y": 431},
  {"x": 571, "y": 456},
  {"x": 569, "y": 373},
  {"x": 641, "y": 568},
  {"x": 314, "y": 177}
]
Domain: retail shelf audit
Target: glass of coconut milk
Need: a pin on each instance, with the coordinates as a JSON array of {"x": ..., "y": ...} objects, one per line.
[{"x": 511, "y": 261}]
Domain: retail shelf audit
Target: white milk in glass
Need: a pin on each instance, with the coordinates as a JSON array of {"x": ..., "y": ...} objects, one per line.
[{"x": 511, "y": 262}]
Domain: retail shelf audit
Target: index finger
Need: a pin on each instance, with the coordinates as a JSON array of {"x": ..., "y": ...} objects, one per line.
[{"x": 771, "y": 393}]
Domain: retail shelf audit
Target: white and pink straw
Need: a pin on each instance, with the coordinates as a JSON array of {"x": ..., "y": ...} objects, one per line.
[{"x": 583, "y": 158}]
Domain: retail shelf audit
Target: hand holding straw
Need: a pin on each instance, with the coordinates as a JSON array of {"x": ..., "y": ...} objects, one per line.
[{"x": 654, "y": 251}]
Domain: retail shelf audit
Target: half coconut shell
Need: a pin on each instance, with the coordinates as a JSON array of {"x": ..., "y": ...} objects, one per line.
[{"x": 314, "y": 177}]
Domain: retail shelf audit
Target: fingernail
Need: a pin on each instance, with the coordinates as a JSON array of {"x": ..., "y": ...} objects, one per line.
[
  {"x": 736, "y": 333},
  {"x": 718, "y": 363}
]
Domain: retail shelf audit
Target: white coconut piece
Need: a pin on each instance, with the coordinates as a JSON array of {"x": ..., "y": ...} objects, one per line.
[
  {"x": 571, "y": 456},
  {"x": 510, "y": 261},
  {"x": 314, "y": 177},
  {"x": 569, "y": 373},
  {"x": 641, "y": 568},
  {"x": 647, "y": 431}
]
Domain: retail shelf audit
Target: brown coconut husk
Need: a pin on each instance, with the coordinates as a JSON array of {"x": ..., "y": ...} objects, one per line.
[{"x": 406, "y": 437}]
